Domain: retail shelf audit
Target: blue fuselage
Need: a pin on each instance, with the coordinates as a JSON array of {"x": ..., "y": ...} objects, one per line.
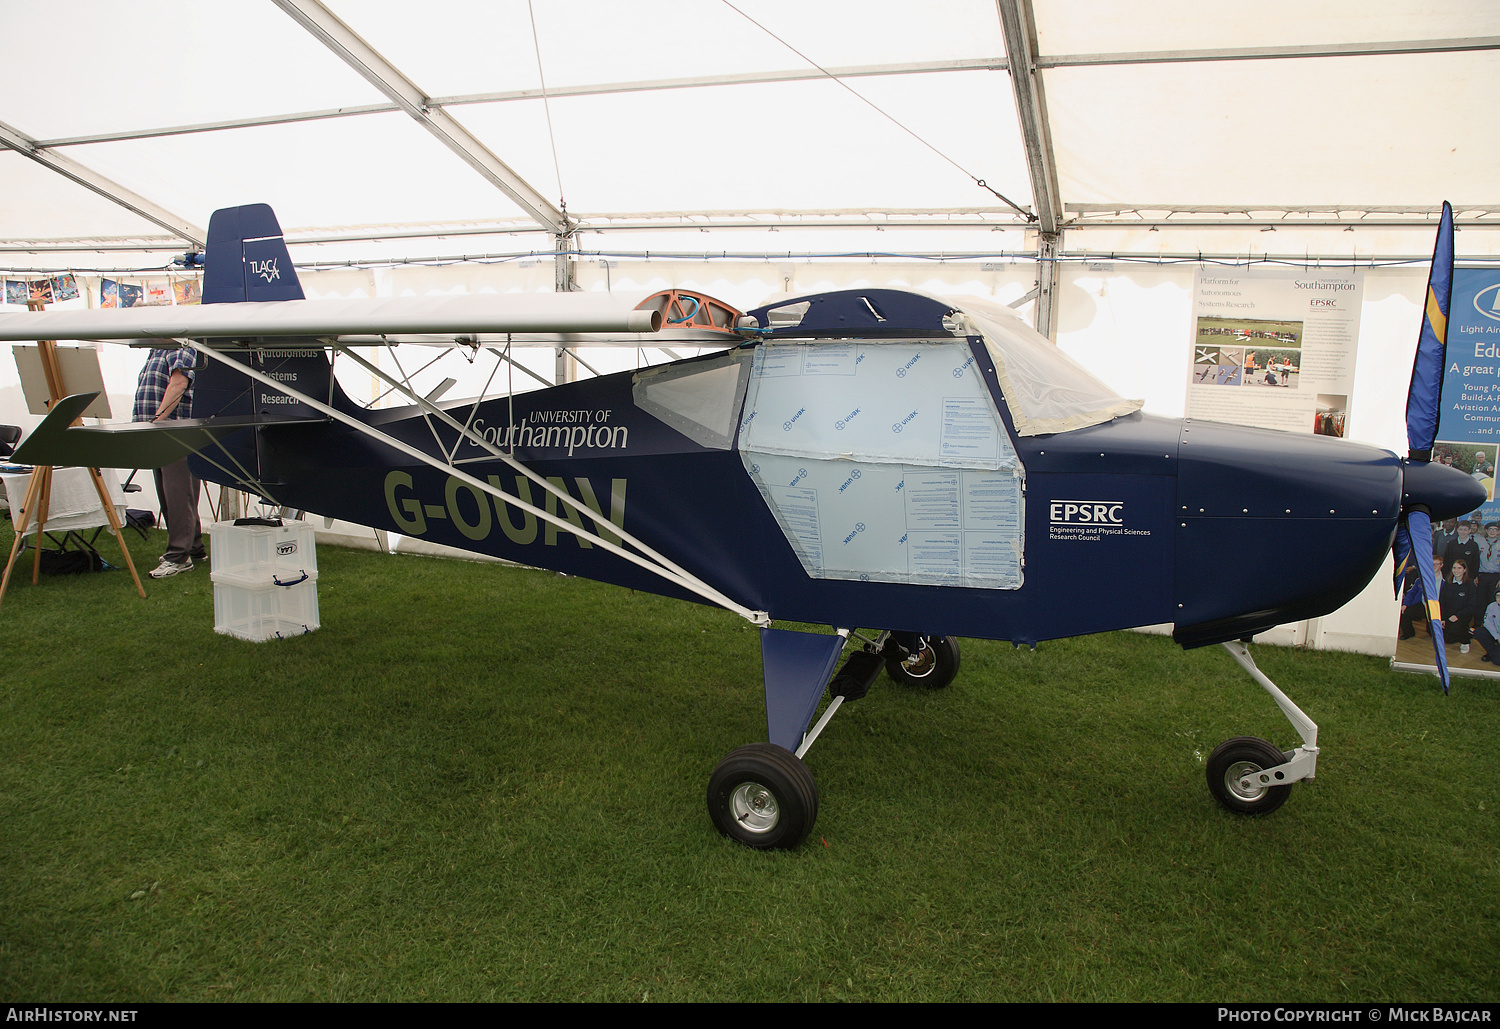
[{"x": 1222, "y": 530}]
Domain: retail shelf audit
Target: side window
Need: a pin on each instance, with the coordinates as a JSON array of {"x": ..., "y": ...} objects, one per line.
[
  {"x": 885, "y": 462},
  {"x": 699, "y": 399}
]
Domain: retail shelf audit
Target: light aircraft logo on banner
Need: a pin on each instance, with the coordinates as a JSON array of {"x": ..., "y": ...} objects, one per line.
[
  {"x": 905, "y": 469},
  {"x": 1487, "y": 302}
]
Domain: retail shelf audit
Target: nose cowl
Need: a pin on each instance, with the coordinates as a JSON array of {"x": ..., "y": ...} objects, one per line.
[
  {"x": 1445, "y": 491},
  {"x": 1248, "y": 499}
]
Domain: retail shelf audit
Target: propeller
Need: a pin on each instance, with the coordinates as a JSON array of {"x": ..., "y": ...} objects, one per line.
[
  {"x": 1415, "y": 524},
  {"x": 1428, "y": 492}
]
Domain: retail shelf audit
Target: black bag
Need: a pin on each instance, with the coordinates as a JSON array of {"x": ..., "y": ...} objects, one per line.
[{"x": 71, "y": 562}]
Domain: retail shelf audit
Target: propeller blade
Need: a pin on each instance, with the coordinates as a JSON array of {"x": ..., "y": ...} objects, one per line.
[
  {"x": 1427, "y": 367},
  {"x": 1401, "y": 550},
  {"x": 1414, "y": 536}
]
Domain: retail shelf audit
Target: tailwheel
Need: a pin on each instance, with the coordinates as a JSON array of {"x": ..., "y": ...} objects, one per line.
[
  {"x": 1236, "y": 779},
  {"x": 931, "y": 662},
  {"x": 763, "y": 796}
]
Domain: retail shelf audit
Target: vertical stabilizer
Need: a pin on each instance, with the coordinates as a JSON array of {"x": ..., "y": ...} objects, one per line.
[{"x": 246, "y": 258}]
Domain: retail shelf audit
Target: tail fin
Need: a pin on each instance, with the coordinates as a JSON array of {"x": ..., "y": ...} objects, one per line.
[{"x": 246, "y": 259}]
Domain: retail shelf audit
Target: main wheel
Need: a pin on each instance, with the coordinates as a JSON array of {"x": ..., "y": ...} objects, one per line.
[
  {"x": 1233, "y": 779},
  {"x": 763, "y": 796},
  {"x": 934, "y": 665}
]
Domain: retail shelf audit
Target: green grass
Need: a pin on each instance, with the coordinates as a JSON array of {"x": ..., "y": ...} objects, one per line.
[{"x": 483, "y": 783}]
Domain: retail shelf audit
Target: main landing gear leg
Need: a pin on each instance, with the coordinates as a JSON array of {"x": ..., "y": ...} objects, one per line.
[
  {"x": 762, "y": 795},
  {"x": 1250, "y": 776}
]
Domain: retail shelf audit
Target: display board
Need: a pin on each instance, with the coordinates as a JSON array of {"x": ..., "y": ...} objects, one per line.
[
  {"x": 80, "y": 374},
  {"x": 1275, "y": 348},
  {"x": 1468, "y": 438},
  {"x": 1469, "y": 421}
]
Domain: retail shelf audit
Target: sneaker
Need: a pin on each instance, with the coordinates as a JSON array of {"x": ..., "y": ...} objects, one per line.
[
  {"x": 1463, "y": 648},
  {"x": 169, "y": 567}
]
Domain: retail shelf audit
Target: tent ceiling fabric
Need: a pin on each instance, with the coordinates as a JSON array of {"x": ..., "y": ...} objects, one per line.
[{"x": 1156, "y": 114}]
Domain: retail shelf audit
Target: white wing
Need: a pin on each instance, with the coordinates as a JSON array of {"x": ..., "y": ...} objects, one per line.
[{"x": 469, "y": 315}]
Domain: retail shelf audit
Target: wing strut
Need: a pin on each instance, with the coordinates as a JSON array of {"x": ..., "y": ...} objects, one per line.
[{"x": 657, "y": 564}]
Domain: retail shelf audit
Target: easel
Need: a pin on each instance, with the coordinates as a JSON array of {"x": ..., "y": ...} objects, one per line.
[{"x": 39, "y": 489}]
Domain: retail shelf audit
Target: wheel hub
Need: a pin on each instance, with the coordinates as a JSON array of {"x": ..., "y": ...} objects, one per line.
[
  {"x": 754, "y": 807},
  {"x": 921, "y": 662},
  {"x": 1239, "y": 779}
]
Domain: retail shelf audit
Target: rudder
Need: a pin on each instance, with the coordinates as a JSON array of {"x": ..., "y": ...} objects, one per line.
[{"x": 246, "y": 258}]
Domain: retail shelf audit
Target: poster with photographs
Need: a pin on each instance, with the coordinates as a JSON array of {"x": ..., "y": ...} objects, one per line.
[
  {"x": 1274, "y": 348},
  {"x": 64, "y": 287},
  {"x": 119, "y": 294},
  {"x": 1468, "y": 439},
  {"x": 187, "y": 291},
  {"x": 52, "y": 290}
]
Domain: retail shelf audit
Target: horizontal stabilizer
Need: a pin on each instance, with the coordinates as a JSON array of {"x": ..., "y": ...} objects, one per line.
[
  {"x": 468, "y": 313},
  {"x": 59, "y": 443}
]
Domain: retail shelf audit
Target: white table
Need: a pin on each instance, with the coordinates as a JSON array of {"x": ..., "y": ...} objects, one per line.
[{"x": 73, "y": 503}]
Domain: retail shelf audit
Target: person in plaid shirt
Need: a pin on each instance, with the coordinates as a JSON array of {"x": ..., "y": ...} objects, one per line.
[{"x": 164, "y": 392}]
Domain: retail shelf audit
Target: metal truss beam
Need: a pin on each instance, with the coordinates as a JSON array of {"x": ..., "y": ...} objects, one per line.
[
  {"x": 1420, "y": 46},
  {"x": 511, "y": 95},
  {"x": 107, "y": 188},
  {"x": 991, "y": 259},
  {"x": 1079, "y": 218},
  {"x": 386, "y": 77},
  {"x": 1019, "y": 27},
  {"x": 1275, "y": 53}
]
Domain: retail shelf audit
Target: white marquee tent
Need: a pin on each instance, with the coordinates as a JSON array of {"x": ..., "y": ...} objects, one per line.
[{"x": 1078, "y": 159}]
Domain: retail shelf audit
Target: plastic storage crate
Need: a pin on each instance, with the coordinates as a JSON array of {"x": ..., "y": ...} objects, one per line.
[
  {"x": 260, "y": 551},
  {"x": 265, "y": 580}
]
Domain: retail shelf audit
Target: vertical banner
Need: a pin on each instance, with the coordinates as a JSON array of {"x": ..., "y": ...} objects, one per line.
[{"x": 1275, "y": 348}]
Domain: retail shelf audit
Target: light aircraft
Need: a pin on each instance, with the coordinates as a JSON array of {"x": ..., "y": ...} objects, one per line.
[{"x": 920, "y": 468}]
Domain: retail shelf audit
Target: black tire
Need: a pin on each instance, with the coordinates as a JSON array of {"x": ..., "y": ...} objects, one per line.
[
  {"x": 1234, "y": 760},
  {"x": 763, "y": 796},
  {"x": 932, "y": 667}
]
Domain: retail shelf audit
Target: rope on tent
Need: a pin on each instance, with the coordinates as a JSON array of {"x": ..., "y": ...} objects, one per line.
[
  {"x": 562, "y": 201},
  {"x": 1028, "y": 215}
]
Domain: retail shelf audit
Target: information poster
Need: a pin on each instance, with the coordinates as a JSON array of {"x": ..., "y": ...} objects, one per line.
[
  {"x": 1468, "y": 438},
  {"x": 1469, "y": 421},
  {"x": 1275, "y": 348}
]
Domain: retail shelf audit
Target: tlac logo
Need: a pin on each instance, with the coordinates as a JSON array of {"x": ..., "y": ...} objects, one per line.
[{"x": 1487, "y": 301}]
